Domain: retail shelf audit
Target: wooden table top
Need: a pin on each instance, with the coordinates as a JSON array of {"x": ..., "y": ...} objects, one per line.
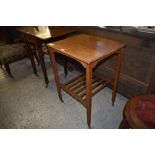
[
  {"x": 46, "y": 32},
  {"x": 86, "y": 48}
]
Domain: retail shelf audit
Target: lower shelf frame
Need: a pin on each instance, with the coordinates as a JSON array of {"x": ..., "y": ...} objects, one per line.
[{"x": 77, "y": 87}]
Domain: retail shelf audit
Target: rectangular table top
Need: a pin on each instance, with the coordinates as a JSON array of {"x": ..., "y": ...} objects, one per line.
[
  {"x": 46, "y": 32},
  {"x": 86, "y": 48}
]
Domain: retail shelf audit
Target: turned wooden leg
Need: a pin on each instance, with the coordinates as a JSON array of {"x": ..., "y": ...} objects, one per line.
[
  {"x": 55, "y": 72},
  {"x": 117, "y": 74},
  {"x": 8, "y": 70},
  {"x": 42, "y": 62},
  {"x": 89, "y": 93}
]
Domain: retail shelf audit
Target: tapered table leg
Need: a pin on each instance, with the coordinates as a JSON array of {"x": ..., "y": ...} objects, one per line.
[
  {"x": 117, "y": 74},
  {"x": 89, "y": 93},
  {"x": 42, "y": 62},
  {"x": 65, "y": 63},
  {"x": 35, "y": 54},
  {"x": 33, "y": 64},
  {"x": 55, "y": 72},
  {"x": 30, "y": 55}
]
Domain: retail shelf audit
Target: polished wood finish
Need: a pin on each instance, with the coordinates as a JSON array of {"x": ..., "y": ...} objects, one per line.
[
  {"x": 138, "y": 67},
  {"x": 89, "y": 51},
  {"x": 117, "y": 73},
  {"x": 43, "y": 35},
  {"x": 130, "y": 118},
  {"x": 46, "y": 32},
  {"x": 55, "y": 71}
]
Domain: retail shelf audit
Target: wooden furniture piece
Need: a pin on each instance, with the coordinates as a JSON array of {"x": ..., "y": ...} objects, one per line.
[
  {"x": 10, "y": 53},
  {"x": 43, "y": 35},
  {"x": 138, "y": 69},
  {"x": 139, "y": 113},
  {"x": 88, "y": 51}
]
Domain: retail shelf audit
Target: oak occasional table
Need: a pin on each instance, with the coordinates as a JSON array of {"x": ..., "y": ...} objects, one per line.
[
  {"x": 88, "y": 50},
  {"x": 43, "y": 35}
]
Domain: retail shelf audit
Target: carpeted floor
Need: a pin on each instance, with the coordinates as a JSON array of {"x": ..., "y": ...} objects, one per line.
[{"x": 26, "y": 103}]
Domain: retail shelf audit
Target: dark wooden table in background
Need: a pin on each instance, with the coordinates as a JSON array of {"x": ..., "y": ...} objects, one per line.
[
  {"x": 43, "y": 35},
  {"x": 88, "y": 50}
]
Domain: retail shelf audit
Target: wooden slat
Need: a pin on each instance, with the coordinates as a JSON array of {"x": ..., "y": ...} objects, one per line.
[
  {"x": 100, "y": 88},
  {"x": 75, "y": 81},
  {"x": 97, "y": 90},
  {"x": 82, "y": 86},
  {"x": 78, "y": 85},
  {"x": 70, "y": 81},
  {"x": 103, "y": 78},
  {"x": 97, "y": 84},
  {"x": 83, "y": 94},
  {"x": 74, "y": 95},
  {"x": 93, "y": 87},
  {"x": 80, "y": 89},
  {"x": 77, "y": 91}
]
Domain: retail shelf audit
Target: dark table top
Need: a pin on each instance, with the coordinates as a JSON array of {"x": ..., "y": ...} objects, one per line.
[{"x": 46, "y": 32}]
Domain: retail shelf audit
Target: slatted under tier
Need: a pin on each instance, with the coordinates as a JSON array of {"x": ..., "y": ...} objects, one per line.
[{"x": 77, "y": 87}]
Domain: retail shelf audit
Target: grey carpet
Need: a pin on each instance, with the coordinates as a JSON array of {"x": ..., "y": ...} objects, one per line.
[{"x": 26, "y": 103}]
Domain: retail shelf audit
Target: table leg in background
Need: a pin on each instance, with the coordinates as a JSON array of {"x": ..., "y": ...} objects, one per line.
[{"x": 42, "y": 63}]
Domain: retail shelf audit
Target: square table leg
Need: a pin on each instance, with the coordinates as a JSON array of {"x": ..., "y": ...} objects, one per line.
[
  {"x": 56, "y": 77},
  {"x": 88, "y": 93},
  {"x": 117, "y": 75}
]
